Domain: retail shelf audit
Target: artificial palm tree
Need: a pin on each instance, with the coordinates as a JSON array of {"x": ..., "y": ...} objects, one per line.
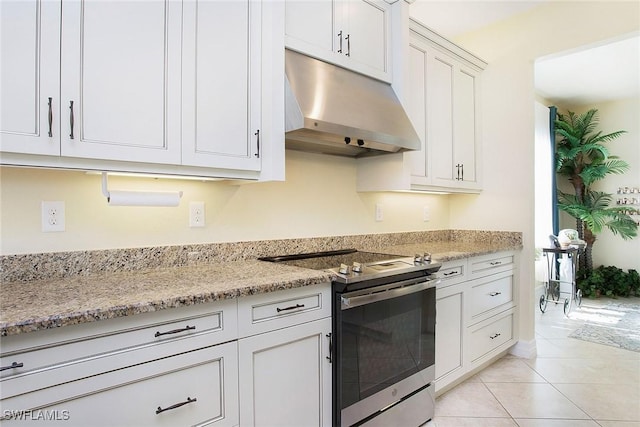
[{"x": 583, "y": 159}]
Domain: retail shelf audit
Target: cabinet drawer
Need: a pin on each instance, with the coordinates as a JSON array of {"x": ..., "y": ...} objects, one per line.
[
  {"x": 491, "y": 264},
  {"x": 133, "y": 396},
  {"x": 266, "y": 312},
  {"x": 484, "y": 339},
  {"x": 452, "y": 272},
  {"x": 490, "y": 293},
  {"x": 75, "y": 352}
]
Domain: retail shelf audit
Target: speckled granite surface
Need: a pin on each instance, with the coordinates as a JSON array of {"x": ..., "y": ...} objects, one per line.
[
  {"x": 44, "y": 304},
  {"x": 41, "y": 291}
]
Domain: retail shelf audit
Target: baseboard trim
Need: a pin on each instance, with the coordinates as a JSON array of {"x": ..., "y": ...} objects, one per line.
[{"x": 524, "y": 349}]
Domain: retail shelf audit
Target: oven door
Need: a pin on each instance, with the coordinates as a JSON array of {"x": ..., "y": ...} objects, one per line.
[{"x": 385, "y": 346}]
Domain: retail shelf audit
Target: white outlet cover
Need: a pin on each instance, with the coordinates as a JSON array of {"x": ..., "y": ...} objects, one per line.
[
  {"x": 379, "y": 212},
  {"x": 196, "y": 214},
  {"x": 53, "y": 216}
]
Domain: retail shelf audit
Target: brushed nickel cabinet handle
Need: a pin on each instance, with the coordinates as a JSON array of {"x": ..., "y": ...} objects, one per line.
[{"x": 340, "y": 39}]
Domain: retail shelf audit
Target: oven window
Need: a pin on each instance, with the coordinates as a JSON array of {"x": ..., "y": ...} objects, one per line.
[{"x": 385, "y": 342}]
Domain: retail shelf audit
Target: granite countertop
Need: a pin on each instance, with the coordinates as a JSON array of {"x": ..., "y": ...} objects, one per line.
[
  {"x": 45, "y": 303},
  {"x": 449, "y": 251}
]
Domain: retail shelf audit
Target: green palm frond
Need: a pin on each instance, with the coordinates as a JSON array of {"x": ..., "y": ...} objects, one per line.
[
  {"x": 596, "y": 214},
  {"x": 598, "y": 170}
]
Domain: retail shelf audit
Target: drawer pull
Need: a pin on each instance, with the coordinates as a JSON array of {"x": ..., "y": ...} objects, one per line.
[
  {"x": 177, "y": 405},
  {"x": 12, "y": 366},
  {"x": 495, "y": 262},
  {"x": 496, "y": 335},
  {"x": 175, "y": 331},
  {"x": 495, "y": 294},
  {"x": 293, "y": 307},
  {"x": 451, "y": 273}
]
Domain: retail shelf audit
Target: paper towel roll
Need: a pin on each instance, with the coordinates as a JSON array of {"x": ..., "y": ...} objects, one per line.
[{"x": 146, "y": 198}]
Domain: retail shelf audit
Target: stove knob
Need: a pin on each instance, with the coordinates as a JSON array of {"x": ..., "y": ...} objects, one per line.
[
  {"x": 344, "y": 269},
  {"x": 417, "y": 258},
  {"x": 427, "y": 258},
  {"x": 357, "y": 267}
]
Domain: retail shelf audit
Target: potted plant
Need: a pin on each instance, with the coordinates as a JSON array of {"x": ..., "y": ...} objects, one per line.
[{"x": 583, "y": 159}]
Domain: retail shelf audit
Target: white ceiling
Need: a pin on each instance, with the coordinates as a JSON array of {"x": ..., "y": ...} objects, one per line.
[{"x": 588, "y": 75}]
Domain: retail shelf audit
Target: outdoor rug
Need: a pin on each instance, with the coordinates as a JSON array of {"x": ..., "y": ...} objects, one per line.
[{"x": 616, "y": 324}]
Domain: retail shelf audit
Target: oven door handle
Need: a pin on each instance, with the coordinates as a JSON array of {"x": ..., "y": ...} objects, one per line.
[{"x": 385, "y": 292}]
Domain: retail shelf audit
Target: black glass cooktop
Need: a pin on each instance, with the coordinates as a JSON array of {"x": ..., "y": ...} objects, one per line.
[
  {"x": 351, "y": 265},
  {"x": 331, "y": 259}
]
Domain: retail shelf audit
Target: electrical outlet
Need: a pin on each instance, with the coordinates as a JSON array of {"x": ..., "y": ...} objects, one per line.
[
  {"x": 196, "y": 214},
  {"x": 379, "y": 213},
  {"x": 425, "y": 214},
  {"x": 52, "y": 216}
]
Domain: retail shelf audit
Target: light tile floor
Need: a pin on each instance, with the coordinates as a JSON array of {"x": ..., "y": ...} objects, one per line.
[{"x": 571, "y": 383}]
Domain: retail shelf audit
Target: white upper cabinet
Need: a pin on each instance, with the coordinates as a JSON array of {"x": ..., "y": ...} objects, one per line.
[
  {"x": 30, "y": 76},
  {"x": 182, "y": 87},
  {"x": 453, "y": 132},
  {"x": 120, "y": 86},
  {"x": 222, "y": 92},
  {"x": 353, "y": 34},
  {"x": 441, "y": 96}
]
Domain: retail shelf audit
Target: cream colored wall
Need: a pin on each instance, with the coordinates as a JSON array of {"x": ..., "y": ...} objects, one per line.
[
  {"x": 510, "y": 48},
  {"x": 619, "y": 115},
  {"x": 317, "y": 199}
]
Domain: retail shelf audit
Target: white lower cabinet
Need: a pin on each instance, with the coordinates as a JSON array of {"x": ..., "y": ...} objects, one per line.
[
  {"x": 489, "y": 335},
  {"x": 285, "y": 376},
  {"x": 178, "y": 367},
  {"x": 476, "y": 312},
  {"x": 449, "y": 332},
  {"x": 284, "y": 354},
  {"x": 171, "y": 367},
  {"x": 194, "y": 388}
]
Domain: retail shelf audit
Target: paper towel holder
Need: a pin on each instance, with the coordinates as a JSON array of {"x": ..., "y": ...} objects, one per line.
[{"x": 139, "y": 198}]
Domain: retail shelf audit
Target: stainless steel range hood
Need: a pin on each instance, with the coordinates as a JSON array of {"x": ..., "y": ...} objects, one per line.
[{"x": 327, "y": 106}]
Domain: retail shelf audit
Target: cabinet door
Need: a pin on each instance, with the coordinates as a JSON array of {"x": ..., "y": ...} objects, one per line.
[
  {"x": 285, "y": 376},
  {"x": 30, "y": 76},
  {"x": 353, "y": 34},
  {"x": 120, "y": 81},
  {"x": 449, "y": 333},
  {"x": 309, "y": 27},
  {"x": 417, "y": 111},
  {"x": 368, "y": 31},
  {"x": 453, "y": 124},
  {"x": 440, "y": 75},
  {"x": 222, "y": 84},
  {"x": 466, "y": 126}
]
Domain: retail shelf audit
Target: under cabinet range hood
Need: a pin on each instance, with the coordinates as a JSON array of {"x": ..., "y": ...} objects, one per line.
[{"x": 335, "y": 111}]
